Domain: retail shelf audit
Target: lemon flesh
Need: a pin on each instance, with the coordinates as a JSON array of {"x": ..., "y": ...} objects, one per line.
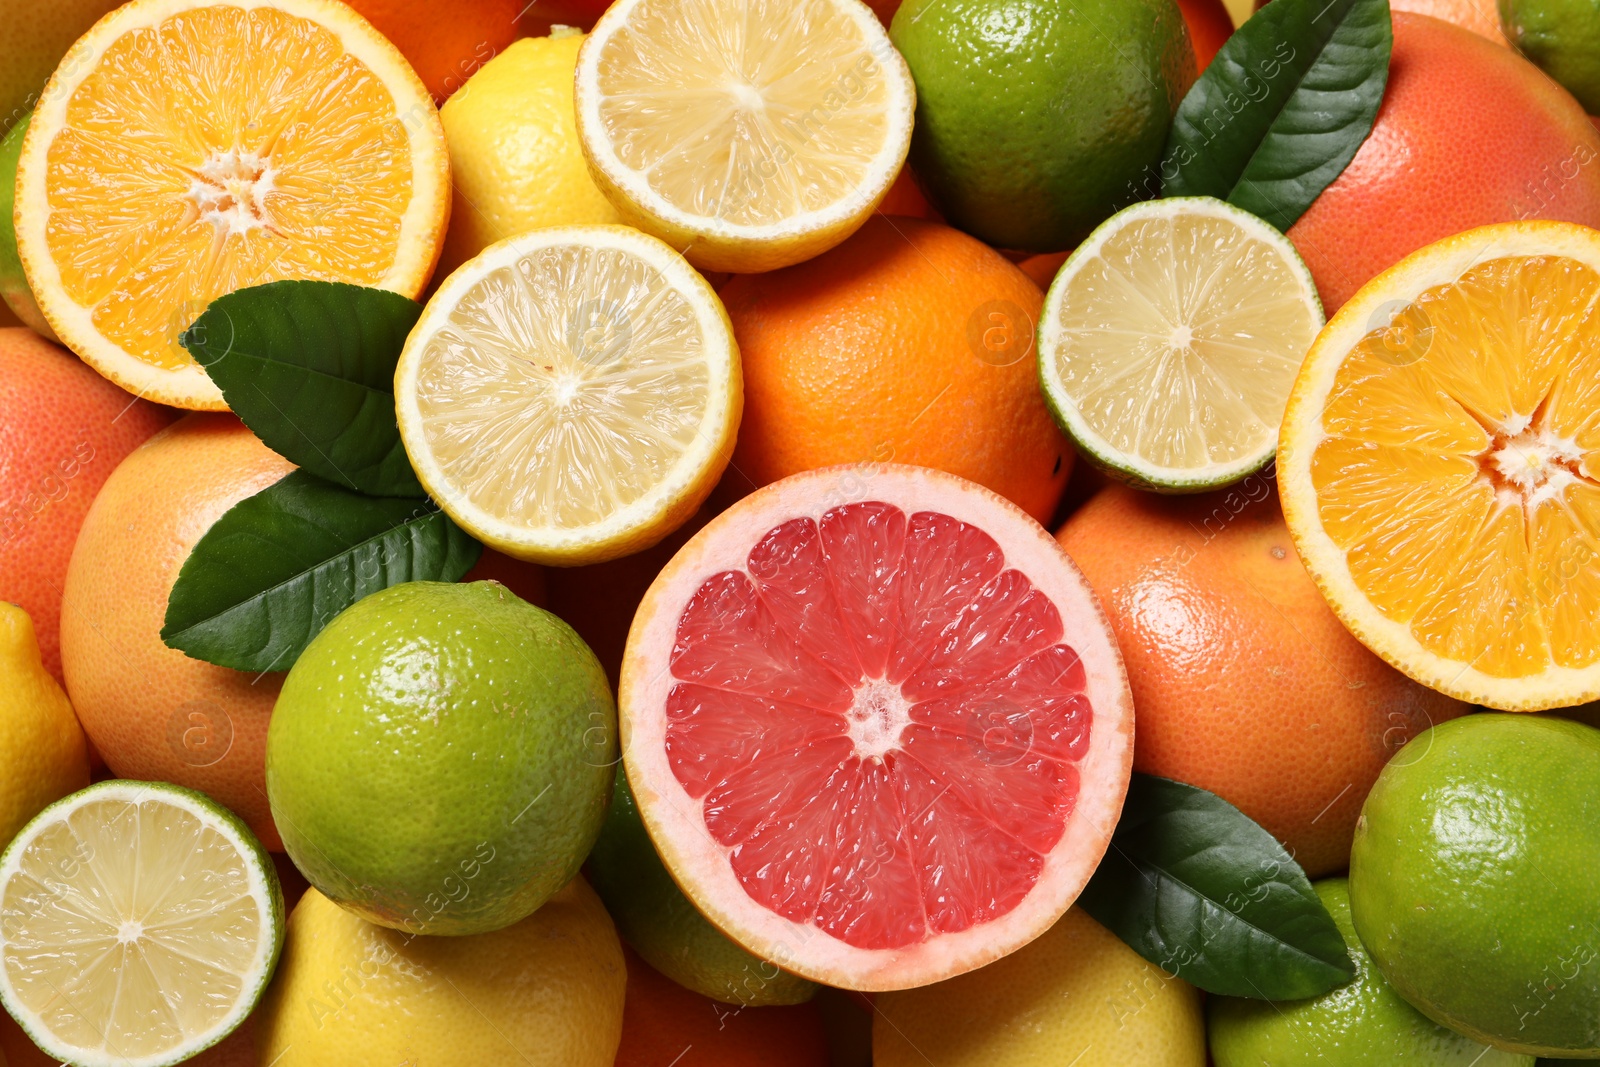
[
  {"x": 139, "y": 923},
  {"x": 571, "y": 395},
  {"x": 1170, "y": 340}
]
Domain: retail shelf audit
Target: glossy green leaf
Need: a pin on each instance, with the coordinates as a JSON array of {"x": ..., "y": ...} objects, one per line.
[
  {"x": 1282, "y": 108},
  {"x": 1201, "y": 891},
  {"x": 309, "y": 366},
  {"x": 278, "y": 566}
]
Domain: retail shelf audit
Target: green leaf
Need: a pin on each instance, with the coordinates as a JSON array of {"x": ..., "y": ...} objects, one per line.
[
  {"x": 309, "y": 367},
  {"x": 1282, "y": 108},
  {"x": 278, "y": 566},
  {"x": 1197, "y": 888}
]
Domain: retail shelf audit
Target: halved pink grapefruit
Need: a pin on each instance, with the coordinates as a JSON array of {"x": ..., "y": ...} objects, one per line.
[{"x": 877, "y": 725}]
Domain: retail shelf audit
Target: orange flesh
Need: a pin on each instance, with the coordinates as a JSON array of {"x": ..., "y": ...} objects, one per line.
[
  {"x": 221, "y": 149},
  {"x": 1460, "y": 471},
  {"x": 882, "y": 721}
]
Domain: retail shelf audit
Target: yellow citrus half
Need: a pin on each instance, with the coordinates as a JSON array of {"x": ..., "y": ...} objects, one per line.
[
  {"x": 1439, "y": 464},
  {"x": 186, "y": 149},
  {"x": 571, "y": 395},
  {"x": 748, "y": 134}
]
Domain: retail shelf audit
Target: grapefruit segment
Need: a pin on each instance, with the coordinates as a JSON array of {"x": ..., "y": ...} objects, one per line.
[{"x": 880, "y": 741}]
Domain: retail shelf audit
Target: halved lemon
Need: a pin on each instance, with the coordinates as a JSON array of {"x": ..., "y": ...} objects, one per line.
[
  {"x": 748, "y": 134},
  {"x": 1440, "y": 465},
  {"x": 184, "y": 149},
  {"x": 139, "y": 924},
  {"x": 571, "y": 395},
  {"x": 1170, "y": 338}
]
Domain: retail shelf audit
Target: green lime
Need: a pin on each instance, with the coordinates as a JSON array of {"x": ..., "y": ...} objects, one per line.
[
  {"x": 1363, "y": 1024},
  {"x": 1562, "y": 38},
  {"x": 13, "y": 285},
  {"x": 1036, "y": 119},
  {"x": 1472, "y": 880},
  {"x": 659, "y": 923},
  {"x": 440, "y": 756}
]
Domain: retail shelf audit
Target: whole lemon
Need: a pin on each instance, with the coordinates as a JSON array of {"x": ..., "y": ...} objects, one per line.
[
  {"x": 1076, "y": 995},
  {"x": 440, "y": 757},
  {"x": 514, "y": 153},
  {"x": 546, "y": 992},
  {"x": 43, "y": 756}
]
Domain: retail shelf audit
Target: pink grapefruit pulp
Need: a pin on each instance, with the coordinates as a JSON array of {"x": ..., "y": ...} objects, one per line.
[{"x": 877, "y": 725}]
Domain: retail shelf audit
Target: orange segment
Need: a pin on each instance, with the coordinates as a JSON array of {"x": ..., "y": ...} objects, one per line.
[
  {"x": 195, "y": 149},
  {"x": 1442, "y": 472}
]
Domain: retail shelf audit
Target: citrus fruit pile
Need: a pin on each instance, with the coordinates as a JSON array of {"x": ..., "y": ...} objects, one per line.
[{"x": 815, "y": 533}]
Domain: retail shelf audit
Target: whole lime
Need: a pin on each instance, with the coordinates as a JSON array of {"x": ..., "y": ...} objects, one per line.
[
  {"x": 661, "y": 925},
  {"x": 1472, "y": 880},
  {"x": 1362, "y": 1024},
  {"x": 440, "y": 757},
  {"x": 1037, "y": 119},
  {"x": 13, "y": 284},
  {"x": 1562, "y": 38}
]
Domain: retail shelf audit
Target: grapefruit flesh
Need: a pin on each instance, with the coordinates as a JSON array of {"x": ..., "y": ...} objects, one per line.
[{"x": 877, "y": 725}]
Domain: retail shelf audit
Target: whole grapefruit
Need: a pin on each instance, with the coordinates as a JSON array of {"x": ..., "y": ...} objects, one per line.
[
  {"x": 1468, "y": 134},
  {"x": 909, "y": 343},
  {"x": 153, "y": 712},
  {"x": 1245, "y": 682},
  {"x": 63, "y": 430}
]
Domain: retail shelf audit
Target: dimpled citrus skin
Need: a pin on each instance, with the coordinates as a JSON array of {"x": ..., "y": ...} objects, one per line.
[
  {"x": 1076, "y": 995},
  {"x": 445, "y": 48},
  {"x": 42, "y": 752},
  {"x": 63, "y": 430},
  {"x": 876, "y": 352},
  {"x": 1363, "y": 1024},
  {"x": 545, "y": 992},
  {"x": 154, "y": 713},
  {"x": 1468, "y": 134},
  {"x": 1245, "y": 682},
  {"x": 1472, "y": 880},
  {"x": 1031, "y": 127},
  {"x": 515, "y": 160},
  {"x": 440, "y": 757},
  {"x": 37, "y": 36}
]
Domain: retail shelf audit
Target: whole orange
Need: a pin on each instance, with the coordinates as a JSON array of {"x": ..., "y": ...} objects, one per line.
[
  {"x": 1482, "y": 17},
  {"x": 446, "y": 42},
  {"x": 909, "y": 343},
  {"x": 1468, "y": 134},
  {"x": 1244, "y": 682},
  {"x": 153, "y": 712},
  {"x": 664, "y": 1023},
  {"x": 63, "y": 430}
]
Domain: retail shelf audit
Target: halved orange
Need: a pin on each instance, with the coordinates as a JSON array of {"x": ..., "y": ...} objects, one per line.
[
  {"x": 184, "y": 149},
  {"x": 1439, "y": 464}
]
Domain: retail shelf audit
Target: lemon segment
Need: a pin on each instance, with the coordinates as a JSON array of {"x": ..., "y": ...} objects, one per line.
[
  {"x": 184, "y": 150},
  {"x": 1169, "y": 341},
  {"x": 749, "y": 134},
  {"x": 1442, "y": 465},
  {"x": 139, "y": 924},
  {"x": 572, "y": 394}
]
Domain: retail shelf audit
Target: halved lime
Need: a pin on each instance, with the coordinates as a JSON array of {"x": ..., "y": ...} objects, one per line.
[
  {"x": 139, "y": 924},
  {"x": 1170, "y": 339}
]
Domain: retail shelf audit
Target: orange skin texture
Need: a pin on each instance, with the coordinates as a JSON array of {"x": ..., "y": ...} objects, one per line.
[
  {"x": 63, "y": 430},
  {"x": 909, "y": 343},
  {"x": 905, "y": 198},
  {"x": 445, "y": 43},
  {"x": 1244, "y": 682},
  {"x": 1482, "y": 17},
  {"x": 1210, "y": 26},
  {"x": 664, "y": 1023},
  {"x": 135, "y": 696},
  {"x": 1468, "y": 134}
]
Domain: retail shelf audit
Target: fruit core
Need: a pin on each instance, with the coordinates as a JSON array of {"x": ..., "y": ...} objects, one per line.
[
  {"x": 1528, "y": 463},
  {"x": 881, "y": 723},
  {"x": 230, "y": 191}
]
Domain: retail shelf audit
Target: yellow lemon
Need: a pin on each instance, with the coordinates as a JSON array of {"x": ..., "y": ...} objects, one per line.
[
  {"x": 545, "y": 992},
  {"x": 42, "y": 751},
  {"x": 1077, "y": 996},
  {"x": 514, "y": 151}
]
